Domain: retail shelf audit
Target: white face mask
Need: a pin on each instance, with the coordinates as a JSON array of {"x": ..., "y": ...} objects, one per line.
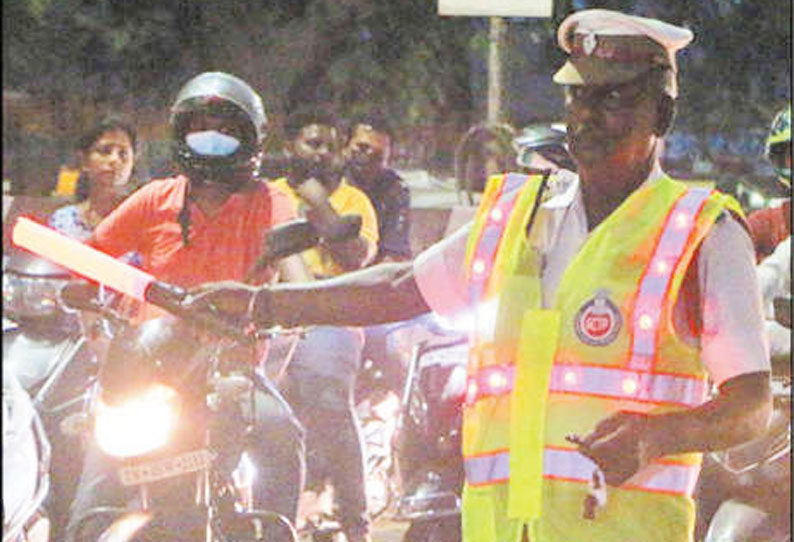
[{"x": 212, "y": 143}]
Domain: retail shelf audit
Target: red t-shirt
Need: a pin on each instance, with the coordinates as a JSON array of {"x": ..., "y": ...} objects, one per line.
[
  {"x": 224, "y": 247},
  {"x": 768, "y": 227}
]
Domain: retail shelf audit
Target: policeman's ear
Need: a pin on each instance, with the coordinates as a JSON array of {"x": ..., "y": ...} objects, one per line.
[{"x": 665, "y": 115}]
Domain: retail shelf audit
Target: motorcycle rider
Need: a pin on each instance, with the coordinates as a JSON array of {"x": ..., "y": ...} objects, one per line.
[
  {"x": 770, "y": 226},
  {"x": 771, "y": 230},
  {"x": 573, "y": 335},
  {"x": 209, "y": 222}
]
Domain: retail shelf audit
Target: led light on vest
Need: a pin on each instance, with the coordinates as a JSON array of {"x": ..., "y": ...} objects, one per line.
[
  {"x": 646, "y": 322},
  {"x": 485, "y": 318},
  {"x": 681, "y": 220},
  {"x": 661, "y": 267},
  {"x": 497, "y": 381},
  {"x": 570, "y": 378},
  {"x": 478, "y": 267},
  {"x": 212, "y": 143},
  {"x": 497, "y": 214},
  {"x": 629, "y": 386},
  {"x": 471, "y": 392}
]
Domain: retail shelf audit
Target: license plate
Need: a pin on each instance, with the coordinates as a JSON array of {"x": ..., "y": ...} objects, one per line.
[{"x": 165, "y": 468}]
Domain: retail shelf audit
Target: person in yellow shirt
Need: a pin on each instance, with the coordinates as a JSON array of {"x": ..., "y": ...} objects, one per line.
[{"x": 319, "y": 379}]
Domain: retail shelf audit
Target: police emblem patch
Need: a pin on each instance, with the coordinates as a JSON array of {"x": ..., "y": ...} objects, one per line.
[{"x": 598, "y": 321}]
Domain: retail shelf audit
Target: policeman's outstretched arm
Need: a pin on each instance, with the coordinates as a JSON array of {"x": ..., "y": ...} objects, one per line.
[{"x": 379, "y": 294}]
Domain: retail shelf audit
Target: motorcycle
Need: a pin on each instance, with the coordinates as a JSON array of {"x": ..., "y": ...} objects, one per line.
[
  {"x": 394, "y": 375},
  {"x": 752, "y": 482},
  {"x": 172, "y": 406},
  {"x": 377, "y": 408},
  {"x": 429, "y": 440},
  {"x": 172, "y": 411},
  {"x": 46, "y": 352},
  {"x": 26, "y": 458}
]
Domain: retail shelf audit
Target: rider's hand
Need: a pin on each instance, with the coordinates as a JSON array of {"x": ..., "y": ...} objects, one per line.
[
  {"x": 313, "y": 193},
  {"x": 619, "y": 445}
]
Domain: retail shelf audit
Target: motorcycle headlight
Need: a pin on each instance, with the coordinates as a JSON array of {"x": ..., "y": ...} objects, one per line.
[{"x": 138, "y": 425}]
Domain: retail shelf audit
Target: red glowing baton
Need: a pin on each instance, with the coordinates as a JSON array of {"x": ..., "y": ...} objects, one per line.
[
  {"x": 98, "y": 266},
  {"x": 81, "y": 258}
]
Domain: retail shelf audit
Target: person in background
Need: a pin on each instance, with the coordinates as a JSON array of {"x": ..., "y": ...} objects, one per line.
[
  {"x": 770, "y": 226},
  {"x": 320, "y": 376},
  {"x": 105, "y": 155},
  {"x": 367, "y": 157},
  {"x": 606, "y": 303},
  {"x": 771, "y": 231},
  {"x": 209, "y": 222},
  {"x": 541, "y": 147},
  {"x": 484, "y": 150},
  {"x": 367, "y": 167}
]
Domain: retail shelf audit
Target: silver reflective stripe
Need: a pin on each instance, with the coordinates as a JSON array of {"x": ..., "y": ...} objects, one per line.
[
  {"x": 656, "y": 281},
  {"x": 572, "y": 466},
  {"x": 513, "y": 181},
  {"x": 628, "y": 384},
  {"x": 487, "y": 469},
  {"x": 618, "y": 383},
  {"x": 491, "y": 235},
  {"x": 667, "y": 478}
]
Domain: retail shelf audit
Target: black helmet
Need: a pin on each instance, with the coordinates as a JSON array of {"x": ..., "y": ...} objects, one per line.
[
  {"x": 545, "y": 140},
  {"x": 226, "y": 95}
]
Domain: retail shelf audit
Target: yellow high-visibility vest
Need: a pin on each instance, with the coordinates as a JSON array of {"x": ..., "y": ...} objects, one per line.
[{"x": 608, "y": 343}]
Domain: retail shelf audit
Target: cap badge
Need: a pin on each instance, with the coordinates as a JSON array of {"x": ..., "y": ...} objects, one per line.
[
  {"x": 589, "y": 43},
  {"x": 598, "y": 321}
]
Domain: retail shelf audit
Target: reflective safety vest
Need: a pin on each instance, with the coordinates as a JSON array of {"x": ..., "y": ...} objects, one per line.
[{"x": 607, "y": 344}]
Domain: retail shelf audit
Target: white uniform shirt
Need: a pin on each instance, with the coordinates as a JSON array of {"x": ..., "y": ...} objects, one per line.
[
  {"x": 774, "y": 277},
  {"x": 731, "y": 341}
]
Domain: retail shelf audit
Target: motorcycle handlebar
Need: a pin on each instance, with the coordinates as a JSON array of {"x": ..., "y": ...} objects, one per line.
[{"x": 83, "y": 296}]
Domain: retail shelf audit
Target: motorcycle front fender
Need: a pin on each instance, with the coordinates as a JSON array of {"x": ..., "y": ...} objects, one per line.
[{"x": 739, "y": 522}]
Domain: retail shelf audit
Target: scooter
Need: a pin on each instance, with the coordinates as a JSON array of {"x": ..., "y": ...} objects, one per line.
[
  {"x": 757, "y": 480},
  {"x": 753, "y": 481},
  {"x": 26, "y": 458},
  {"x": 46, "y": 352}
]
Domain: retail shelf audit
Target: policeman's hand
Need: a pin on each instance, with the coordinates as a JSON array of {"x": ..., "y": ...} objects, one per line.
[
  {"x": 229, "y": 298},
  {"x": 619, "y": 445}
]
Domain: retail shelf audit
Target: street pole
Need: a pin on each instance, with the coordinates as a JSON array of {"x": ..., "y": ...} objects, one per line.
[{"x": 495, "y": 48}]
